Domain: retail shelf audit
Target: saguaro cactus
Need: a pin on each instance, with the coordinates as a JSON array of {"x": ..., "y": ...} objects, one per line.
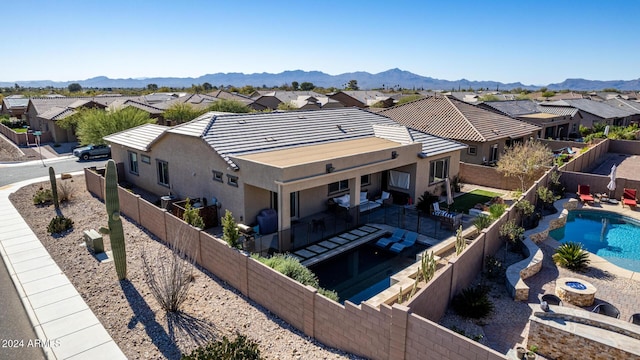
[
  {"x": 116, "y": 234},
  {"x": 54, "y": 187}
]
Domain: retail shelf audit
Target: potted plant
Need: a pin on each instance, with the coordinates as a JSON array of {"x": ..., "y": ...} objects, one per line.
[
  {"x": 531, "y": 354},
  {"x": 521, "y": 351}
]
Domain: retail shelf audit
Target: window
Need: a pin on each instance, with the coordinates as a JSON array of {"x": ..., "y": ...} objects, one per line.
[
  {"x": 163, "y": 172},
  {"x": 439, "y": 170},
  {"x": 339, "y": 186},
  {"x": 365, "y": 180},
  {"x": 232, "y": 180},
  {"x": 146, "y": 159},
  {"x": 133, "y": 162},
  {"x": 472, "y": 150},
  {"x": 217, "y": 176}
]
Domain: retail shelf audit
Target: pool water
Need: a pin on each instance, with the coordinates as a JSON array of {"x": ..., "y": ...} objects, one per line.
[
  {"x": 363, "y": 272},
  {"x": 613, "y": 237}
]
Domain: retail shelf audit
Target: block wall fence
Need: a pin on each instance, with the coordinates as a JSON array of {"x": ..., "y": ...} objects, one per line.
[
  {"x": 398, "y": 331},
  {"x": 21, "y": 139}
]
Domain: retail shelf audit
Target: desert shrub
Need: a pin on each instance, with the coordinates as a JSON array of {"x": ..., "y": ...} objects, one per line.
[
  {"x": 472, "y": 302},
  {"x": 493, "y": 267},
  {"x": 241, "y": 348},
  {"x": 59, "y": 224},
  {"x": 64, "y": 191},
  {"x": 169, "y": 278},
  {"x": 572, "y": 256},
  {"x": 43, "y": 197},
  {"x": 482, "y": 222},
  {"x": 291, "y": 267}
]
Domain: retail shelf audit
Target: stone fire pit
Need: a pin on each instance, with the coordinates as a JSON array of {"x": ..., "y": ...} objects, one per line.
[{"x": 576, "y": 291}]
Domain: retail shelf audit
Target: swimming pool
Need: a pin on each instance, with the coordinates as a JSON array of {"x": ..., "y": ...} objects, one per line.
[
  {"x": 611, "y": 236},
  {"x": 363, "y": 272}
]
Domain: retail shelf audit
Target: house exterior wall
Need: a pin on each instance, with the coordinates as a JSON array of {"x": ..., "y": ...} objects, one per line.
[{"x": 347, "y": 100}]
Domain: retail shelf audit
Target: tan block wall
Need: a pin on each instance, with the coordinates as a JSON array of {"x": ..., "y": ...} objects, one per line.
[
  {"x": 428, "y": 340},
  {"x": 226, "y": 263},
  {"x": 466, "y": 265},
  {"x": 129, "y": 204},
  {"x": 152, "y": 219},
  {"x": 624, "y": 147},
  {"x": 183, "y": 236},
  {"x": 487, "y": 176}
]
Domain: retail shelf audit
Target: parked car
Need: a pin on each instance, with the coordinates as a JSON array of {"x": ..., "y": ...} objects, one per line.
[{"x": 89, "y": 151}]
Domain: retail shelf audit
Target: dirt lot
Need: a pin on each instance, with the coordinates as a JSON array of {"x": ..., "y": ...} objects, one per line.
[{"x": 128, "y": 311}]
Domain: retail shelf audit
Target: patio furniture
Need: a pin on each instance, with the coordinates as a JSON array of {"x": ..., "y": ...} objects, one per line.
[
  {"x": 607, "y": 309},
  {"x": 551, "y": 299},
  {"x": 385, "y": 199},
  {"x": 635, "y": 319},
  {"x": 584, "y": 192},
  {"x": 408, "y": 241},
  {"x": 365, "y": 205},
  {"x": 629, "y": 198},
  {"x": 397, "y": 235}
]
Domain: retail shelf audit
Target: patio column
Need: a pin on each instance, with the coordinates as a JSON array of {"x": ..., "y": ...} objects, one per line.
[
  {"x": 284, "y": 218},
  {"x": 354, "y": 194}
]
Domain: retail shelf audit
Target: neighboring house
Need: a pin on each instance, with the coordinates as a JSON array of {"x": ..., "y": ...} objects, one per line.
[
  {"x": 292, "y": 161},
  {"x": 553, "y": 125},
  {"x": 485, "y": 132},
  {"x": 596, "y": 112},
  {"x": 630, "y": 105},
  {"x": 247, "y": 100},
  {"x": 303, "y": 100},
  {"x": 14, "y": 106},
  {"x": 43, "y": 113}
]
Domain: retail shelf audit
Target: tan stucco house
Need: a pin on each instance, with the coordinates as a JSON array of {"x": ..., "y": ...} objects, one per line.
[
  {"x": 486, "y": 133},
  {"x": 290, "y": 161}
]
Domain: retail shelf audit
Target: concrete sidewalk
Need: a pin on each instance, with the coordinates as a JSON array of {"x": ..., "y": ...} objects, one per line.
[{"x": 65, "y": 325}]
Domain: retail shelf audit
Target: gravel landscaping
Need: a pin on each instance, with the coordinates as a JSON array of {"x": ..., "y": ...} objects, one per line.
[{"x": 127, "y": 309}]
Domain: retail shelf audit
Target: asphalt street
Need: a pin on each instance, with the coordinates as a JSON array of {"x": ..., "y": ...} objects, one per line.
[{"x": 16, "y": 330}]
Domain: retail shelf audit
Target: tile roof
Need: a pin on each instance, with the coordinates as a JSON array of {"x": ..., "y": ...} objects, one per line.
[
  {"x": 600, "y": 109},
  {"x": 139, "y": 138},
  {"x": 43, "y": 104},
  {"x": 557, "y": 110},
  {"x": 57, "y": 113},
  {"x": 454, "y": 119},
  {"x": 630, "y": 105},
  {"x": 16, "y": 102}
]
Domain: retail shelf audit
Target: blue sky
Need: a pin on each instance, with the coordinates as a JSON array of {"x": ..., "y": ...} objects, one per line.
[{"x": 534, "y": 42}]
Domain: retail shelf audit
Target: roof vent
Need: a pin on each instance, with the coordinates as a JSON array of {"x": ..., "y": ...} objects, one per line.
[
  {"x": 269, "y": 138},
  {"x": 242, "y": 121}
]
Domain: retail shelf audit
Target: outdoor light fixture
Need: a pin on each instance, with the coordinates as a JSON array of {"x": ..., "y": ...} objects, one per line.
[
  {"x": 330, "y": 168},
  {"x": 394, "y": 154},
  {"x": 422, "y": 155}
]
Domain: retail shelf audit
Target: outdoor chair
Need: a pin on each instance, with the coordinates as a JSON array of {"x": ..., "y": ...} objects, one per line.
[
  {"x": 629, "y": 198},
  {"x": 551, "y": 299},
  {"x": 607, "y": 309},
  {"x": 397, "y": 235},
  {"x": 635, "y": 319},
  {"x": 584, "y": 192},
  {"x": 408, "y": 241}
]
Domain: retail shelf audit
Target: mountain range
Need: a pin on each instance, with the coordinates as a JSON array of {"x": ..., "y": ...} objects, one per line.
[{"x": 393, "y": 78}]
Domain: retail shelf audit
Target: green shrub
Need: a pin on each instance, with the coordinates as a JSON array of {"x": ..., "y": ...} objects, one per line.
[
  {"x": 192, "y": 215},
  {"x": 241, "y": 348},
  {"x": 425, "y": 201},
  {"x": 473, "y": 302},
  {"x": 43, "y": 197},
  {"x": 59, "y": 224},
  {"x": 493, "y": 267},
  {"x": 230, "y": 230},
  {"x": 572, "y": 256},
  {"x": 496, "y": 210},
  {"x": 482, "y": 222},
  {"x": 291, "y": 267}
]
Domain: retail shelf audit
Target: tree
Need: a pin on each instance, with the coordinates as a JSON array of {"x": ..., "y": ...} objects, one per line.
[
  {"x": 229, "y": 230},
  {"x": 307, "y": 86},
  {"x": 207, "y": 87},
  {"x": 287, "y": 106},
  {"x": 231, "y": 106},
  {"x": 74, "y": 87},
  {"x": 409, "y": 98},
  {"x": 548, "y": 94},
  {"x": 94, "y": 124},
  {"x": 294, "y": 85},
  {"x": 152, "y": 87},
  {"x": 353, "y": 85},
  {"x": 181, "y": 112},
  {"x": 523, "y": 160}
]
